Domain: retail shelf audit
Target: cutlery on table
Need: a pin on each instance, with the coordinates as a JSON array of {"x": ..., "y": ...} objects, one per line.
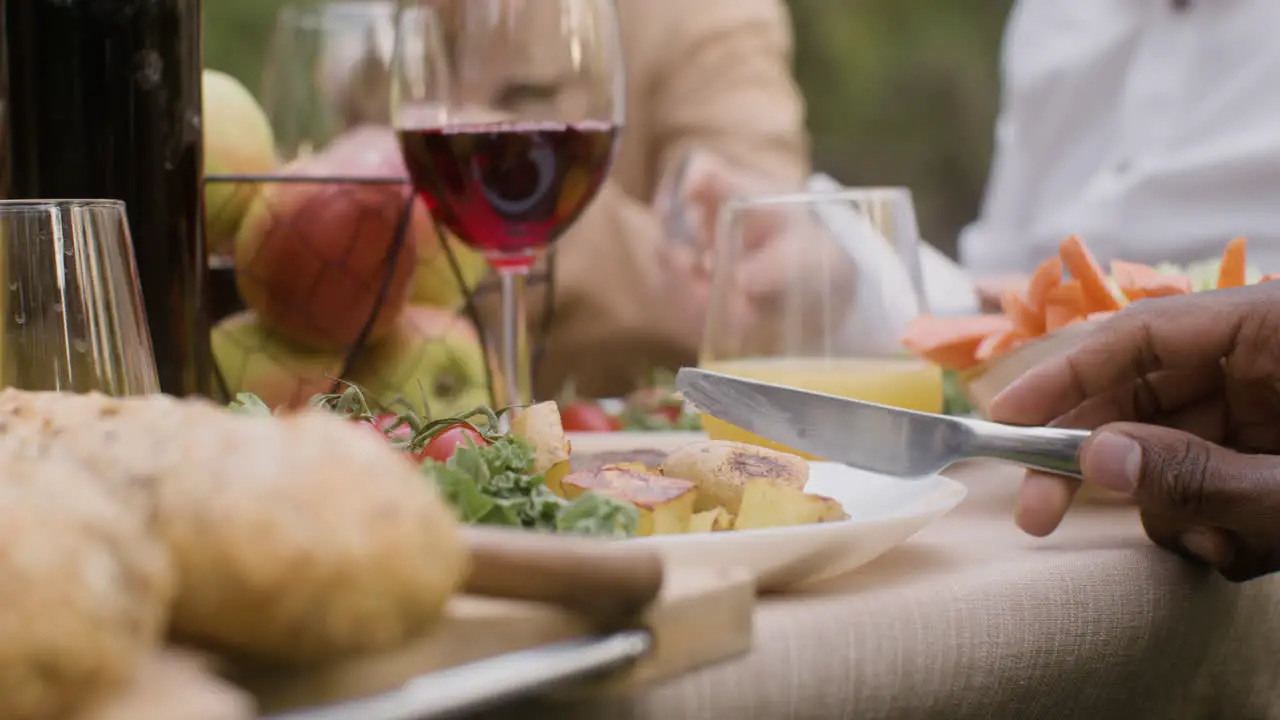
[{"x": 879, "y": 438}]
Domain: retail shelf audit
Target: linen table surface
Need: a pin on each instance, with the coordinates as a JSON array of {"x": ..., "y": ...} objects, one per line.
[{"x": 973, "y": 619}]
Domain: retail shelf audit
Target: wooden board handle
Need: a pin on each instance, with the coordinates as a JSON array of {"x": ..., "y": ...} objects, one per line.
[{"x": 605, "y": 581}]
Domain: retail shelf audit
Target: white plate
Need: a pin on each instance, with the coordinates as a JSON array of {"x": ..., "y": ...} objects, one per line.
[{"x": 883, "y": 512}]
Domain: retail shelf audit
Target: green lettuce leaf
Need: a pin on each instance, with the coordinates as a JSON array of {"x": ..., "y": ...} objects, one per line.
[
  {"x": 493, "y": 485},
  {"x": 599, "y": 516}
]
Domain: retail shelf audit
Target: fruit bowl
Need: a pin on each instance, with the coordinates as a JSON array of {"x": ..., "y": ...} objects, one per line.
[{"x": 984, "y": 382}]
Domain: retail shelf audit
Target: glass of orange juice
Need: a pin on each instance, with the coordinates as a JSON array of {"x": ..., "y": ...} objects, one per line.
[{"x": 813, "y": 290}]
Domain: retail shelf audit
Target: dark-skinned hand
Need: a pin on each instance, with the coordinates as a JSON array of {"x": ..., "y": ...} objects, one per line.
[{"x": 1184, "y": 397}]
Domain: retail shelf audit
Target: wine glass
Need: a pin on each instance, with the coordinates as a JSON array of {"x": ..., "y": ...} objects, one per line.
[
  {"x": 73, "y": 314},
  {"x": 812, "y": 290},
  {"x": 327, "y": 70},
  {"x": 508, "y": 113}
]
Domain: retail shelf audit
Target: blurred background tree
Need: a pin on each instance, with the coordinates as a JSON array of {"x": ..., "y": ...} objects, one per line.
[{"x": 900, "y": 92}]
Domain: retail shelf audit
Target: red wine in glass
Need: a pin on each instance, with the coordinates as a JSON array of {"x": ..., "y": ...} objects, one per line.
[{"x": 509, "y": 189}]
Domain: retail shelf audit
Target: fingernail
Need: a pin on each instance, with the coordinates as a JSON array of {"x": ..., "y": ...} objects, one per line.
[
  {"x": 1206, "y": 545},
  {"x": 1114, "y": 462}
]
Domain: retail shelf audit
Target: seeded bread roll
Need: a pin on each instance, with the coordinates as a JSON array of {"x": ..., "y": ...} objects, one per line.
[
  {"x": 83, "y": 427},
  {"x": 304, "y": 539},
  {"x": 85, "y": 589},
  {"x": 299, "y": 539}
]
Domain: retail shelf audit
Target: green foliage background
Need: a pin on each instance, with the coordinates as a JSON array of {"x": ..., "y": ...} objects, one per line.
[{"x": 900, "y": 92}]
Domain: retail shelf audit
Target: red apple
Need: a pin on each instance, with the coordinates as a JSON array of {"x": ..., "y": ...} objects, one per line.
[
  {"x": 312, "y": 257},
  {"x": 435, "y": 282}
]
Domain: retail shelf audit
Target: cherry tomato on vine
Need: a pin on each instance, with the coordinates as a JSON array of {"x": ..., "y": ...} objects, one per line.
[
  {"x": 587, "y": 417},
  {"x": 441, "y": 447},
  {"x": 384, "y": 424},
  {"x": 672, "y": 413}
]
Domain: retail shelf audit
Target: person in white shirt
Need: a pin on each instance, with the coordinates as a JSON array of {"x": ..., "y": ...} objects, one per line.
[{"x": 1151, "y": 128}]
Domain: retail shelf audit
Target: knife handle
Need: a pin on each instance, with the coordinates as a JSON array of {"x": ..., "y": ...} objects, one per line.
[
  {"x": 1053, "y": 450},
  {"x": 607, "y": 582}
]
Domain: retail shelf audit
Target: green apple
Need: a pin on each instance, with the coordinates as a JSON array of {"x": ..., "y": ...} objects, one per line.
[
  {"x": 432, "y": 359},
  {"x": 238, "y": 140},
  {"x": 436, "y": 283},
  {"x": 315, "y": 258},
  {"x": 254, "y": 359}
]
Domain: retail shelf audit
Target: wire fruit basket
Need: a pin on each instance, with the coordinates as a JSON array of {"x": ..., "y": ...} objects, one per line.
[{"x": 328, "y": 273}]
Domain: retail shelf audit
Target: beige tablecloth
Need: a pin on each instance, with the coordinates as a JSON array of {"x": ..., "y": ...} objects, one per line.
[{"x": 972, "y": 619}]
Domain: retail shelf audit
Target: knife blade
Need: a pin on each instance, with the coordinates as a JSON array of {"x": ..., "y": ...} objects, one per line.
[{"x": 879, "y": 438}]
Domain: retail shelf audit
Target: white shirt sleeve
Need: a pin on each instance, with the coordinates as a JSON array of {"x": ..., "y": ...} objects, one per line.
[{"x": 1149, "y": 128}]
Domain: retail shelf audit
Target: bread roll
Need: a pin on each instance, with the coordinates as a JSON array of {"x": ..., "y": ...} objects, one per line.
[
  {"x": 85, "y": 587},
  {"x": 304, "y": 539},
  {"x": 299, "y": 539}
]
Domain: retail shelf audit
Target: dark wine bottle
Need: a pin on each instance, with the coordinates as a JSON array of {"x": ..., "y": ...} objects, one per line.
[{"x": 103, "y": 101}]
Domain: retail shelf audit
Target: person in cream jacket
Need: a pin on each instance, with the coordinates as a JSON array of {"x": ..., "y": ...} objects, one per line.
[
  {"x": 708, "y": 77},
  {"x": 711, "y": 75}
]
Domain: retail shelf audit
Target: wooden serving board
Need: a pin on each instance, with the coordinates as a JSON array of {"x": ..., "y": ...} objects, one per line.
[{"x": 699, "y": 619}]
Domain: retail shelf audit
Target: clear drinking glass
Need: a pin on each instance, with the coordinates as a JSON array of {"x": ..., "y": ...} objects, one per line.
[
  {"x": 328, "y": 70},
  {"x": 813, "y": 290},
  {"x": 508, "y": 113},
  {"x": 73, "y": 313}
]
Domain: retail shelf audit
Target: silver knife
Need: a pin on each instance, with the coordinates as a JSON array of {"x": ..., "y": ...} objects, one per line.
[{"x": 883, "y": 439}]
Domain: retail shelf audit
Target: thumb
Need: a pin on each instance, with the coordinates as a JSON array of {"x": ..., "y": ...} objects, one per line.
[
  {"x": 708, "y": 179},
  {"x": 1179, "y": 475}
]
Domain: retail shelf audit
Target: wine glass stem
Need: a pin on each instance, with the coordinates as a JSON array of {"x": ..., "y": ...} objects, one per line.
[{"x": 513, "y": 340}]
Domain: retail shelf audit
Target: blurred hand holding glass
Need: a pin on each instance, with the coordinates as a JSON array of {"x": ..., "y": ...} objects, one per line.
[
  {"x": 688, "y": 201},
  {"x": 812, "y": 290},
  {"x": 508, "y": 119},
  {"x": 694, "y": 189},
  {"x": 328, "y": 70},
  {"x": 73, "y": 314}
]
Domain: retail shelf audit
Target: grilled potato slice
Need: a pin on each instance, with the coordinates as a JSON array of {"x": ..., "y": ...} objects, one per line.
[
  {"x": 540, "y": 426},
  {"x": 722, "y": 469},
  {"x": 766, "y": 504},
  {"x": 716, "y": 520},
  {"x": 633, "y": 467},
  {"x": 665, "y": 504}
]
